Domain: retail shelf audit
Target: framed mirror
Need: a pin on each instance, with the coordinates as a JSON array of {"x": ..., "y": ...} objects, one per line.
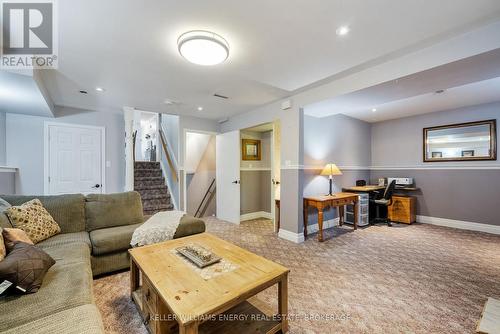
[
  {"x": 250, "y": 149},
  {"x": 461, "y": 142}
]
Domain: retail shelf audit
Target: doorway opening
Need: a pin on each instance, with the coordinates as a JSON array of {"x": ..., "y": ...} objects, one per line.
[
  {"x": 145, "y": 135},
  {"x": 200, "y": 173},
  {"x": 260, "y": 173}
]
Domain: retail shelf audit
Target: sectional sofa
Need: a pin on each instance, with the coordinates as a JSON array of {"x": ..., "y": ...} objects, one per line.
[{"x": 95, "y": 236}]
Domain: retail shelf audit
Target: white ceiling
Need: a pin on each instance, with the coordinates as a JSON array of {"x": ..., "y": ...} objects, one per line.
[
  {"x": 471, "y": 81},
  {"x": 129, "y": 47},
  {"x": 20, "y": 94}
]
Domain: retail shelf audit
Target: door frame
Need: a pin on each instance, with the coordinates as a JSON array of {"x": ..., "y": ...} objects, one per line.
[
  {"x": 46, "y": 155},
  {"x": 184, "y": 153}
]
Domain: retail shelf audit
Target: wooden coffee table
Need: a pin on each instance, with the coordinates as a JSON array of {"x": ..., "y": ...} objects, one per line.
[{"x": 171, "y": 295}]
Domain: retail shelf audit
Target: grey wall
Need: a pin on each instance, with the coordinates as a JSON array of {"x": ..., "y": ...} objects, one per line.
[
  {"x": 467, "y": 191},
  {"x": 25, "y": 146},
  {"x": 337, "y": 139},
  {"x": 466, "y": 195},
  {"x": 265, "y": 141},
  {"x": 2, "y": 139},
  {"x": 7, "y": 183},
  {"x": 255, "y": 191},
  {"x": 399, "y": 142}
]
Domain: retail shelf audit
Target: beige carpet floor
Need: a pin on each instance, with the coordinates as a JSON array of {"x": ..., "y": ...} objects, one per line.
[{"x": 404, "y": 279}]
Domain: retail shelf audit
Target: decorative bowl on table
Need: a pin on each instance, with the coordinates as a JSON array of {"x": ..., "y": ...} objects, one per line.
[{"x": 199, "y": 255}]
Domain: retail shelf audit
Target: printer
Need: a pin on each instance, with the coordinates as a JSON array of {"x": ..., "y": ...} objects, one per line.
[{"x": 401, "y": 181}]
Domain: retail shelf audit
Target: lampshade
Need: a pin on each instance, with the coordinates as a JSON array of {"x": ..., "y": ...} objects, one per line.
[{"x": 331, "y": 169}]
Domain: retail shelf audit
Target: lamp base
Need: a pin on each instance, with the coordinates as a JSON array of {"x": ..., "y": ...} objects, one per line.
[{"x": 331, "y": 188}]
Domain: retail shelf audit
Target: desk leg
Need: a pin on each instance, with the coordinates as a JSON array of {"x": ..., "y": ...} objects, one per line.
[
  {"x": 356, "y": 216},
  {"x": 305, "y": 220},
  {"x": 320, "y": 224},
  {"x": 283, "y": 302},
  {"x": 341, "y": 215}
]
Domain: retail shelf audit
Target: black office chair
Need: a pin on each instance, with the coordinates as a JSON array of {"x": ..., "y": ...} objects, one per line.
[
  {"x": 383, "y": 201},
  {"x": 360, "y": 183}
]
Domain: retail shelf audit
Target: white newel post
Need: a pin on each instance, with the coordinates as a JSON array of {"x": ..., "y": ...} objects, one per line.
[{"x": 129, "y": 148}]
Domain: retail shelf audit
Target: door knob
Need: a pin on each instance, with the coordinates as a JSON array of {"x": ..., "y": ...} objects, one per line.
[
  {"x": 97, "y": 186},
  {"x": 236, "y": 181}
]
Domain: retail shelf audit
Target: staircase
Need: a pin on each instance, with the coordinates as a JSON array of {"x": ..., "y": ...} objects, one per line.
[{"x": 149, "y": 182}]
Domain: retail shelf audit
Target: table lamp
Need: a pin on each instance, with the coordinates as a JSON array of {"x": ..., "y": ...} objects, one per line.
[{"x": 330, "y": 170}]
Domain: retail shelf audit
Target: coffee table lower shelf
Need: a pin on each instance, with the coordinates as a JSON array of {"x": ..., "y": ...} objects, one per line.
[{"x": 251, "y": 320}]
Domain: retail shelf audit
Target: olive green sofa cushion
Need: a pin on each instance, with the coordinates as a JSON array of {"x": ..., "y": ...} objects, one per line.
[
  {"x": 113, "y": 239},
  {"x": 66, "y": 285},
  {"x": 84, "y": 319},
  {"x": 189, "y": 225},
  {"x": 68, "y": 210},
  {"x": 103, "y": 211},
  {"x": 67, "y": 239},
  {"x": 69, "y": 253}
]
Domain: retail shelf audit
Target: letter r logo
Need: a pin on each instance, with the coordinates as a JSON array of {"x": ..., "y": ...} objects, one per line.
[{"x": 27, "y": 28}]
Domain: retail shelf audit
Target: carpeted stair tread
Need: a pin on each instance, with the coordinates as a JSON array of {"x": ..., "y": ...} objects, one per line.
[
  {"x": 150, "y": 183},
  {"x": 148, "y": 173},
  {"x": 148, "y": 195}
]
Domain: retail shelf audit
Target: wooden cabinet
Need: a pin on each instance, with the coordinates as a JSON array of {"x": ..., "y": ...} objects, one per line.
[{"x": 403, "y": 209}]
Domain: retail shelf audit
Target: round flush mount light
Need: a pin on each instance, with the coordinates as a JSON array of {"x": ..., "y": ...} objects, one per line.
[
  {"x": 200, "y": 108},
  {"x": 374, "y": 109},
  {"x": 342, "y": 30},
  {"x": 100, "y": 89},
  {"x": 203, "y": 47}
]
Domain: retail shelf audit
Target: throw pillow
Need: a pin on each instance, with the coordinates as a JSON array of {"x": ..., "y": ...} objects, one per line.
[
  {"x": 13, "y": 235},
  {"x": 3, "y": 251},
  {"x": 4, "y": 220},
  {"x": 34, "y": 219},
  {"x": 25, "y": 267}
]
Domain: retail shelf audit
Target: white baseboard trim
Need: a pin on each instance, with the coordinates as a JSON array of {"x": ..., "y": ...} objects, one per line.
[
  {"x": 326, "y": 224},
  {"x": 290, "y": 236},
  {"x": 459, "y": 224},
  {"x": 256, "y": 215},
  {"x": 299, "y": 237}
]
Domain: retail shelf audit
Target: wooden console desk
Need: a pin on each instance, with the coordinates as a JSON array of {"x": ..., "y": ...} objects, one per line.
[{"x": 338, "y": 200}]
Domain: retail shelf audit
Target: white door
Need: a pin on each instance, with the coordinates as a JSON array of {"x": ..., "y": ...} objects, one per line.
[
  {"x": 75, "y": 159},
  {"x": 228, "y": 176}
]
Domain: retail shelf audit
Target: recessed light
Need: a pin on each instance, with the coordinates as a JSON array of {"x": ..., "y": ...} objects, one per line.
[
  {"x": 203, "y": 47},
  {"x": 83, "y": 92},
  {"x": 200, "y": 108},
  {"x": 374, "y": 109},
  {"x": 342, "y": 30},
  {"x": 100, "y": 89}
]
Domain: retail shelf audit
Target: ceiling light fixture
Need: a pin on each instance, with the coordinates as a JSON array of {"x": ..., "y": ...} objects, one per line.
[
  {"x": 203, "y": 47},
  {"x": 200, "y": 108},
  {"x": 343, "y": 30},
  {"x": 83, "y": 91},
  {"x": 100, "y": 89},
  {"x": 374, "y": 109}
]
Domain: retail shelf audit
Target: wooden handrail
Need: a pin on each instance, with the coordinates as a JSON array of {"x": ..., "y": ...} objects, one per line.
[
  {"x": 165, "y": 150},
  {"x": 210, "y": 195}
]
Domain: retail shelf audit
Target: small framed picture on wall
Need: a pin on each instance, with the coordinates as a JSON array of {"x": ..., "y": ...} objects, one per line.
[
  {"x": 437, "y": 154},
  {"x": 251, "y": 149}
]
